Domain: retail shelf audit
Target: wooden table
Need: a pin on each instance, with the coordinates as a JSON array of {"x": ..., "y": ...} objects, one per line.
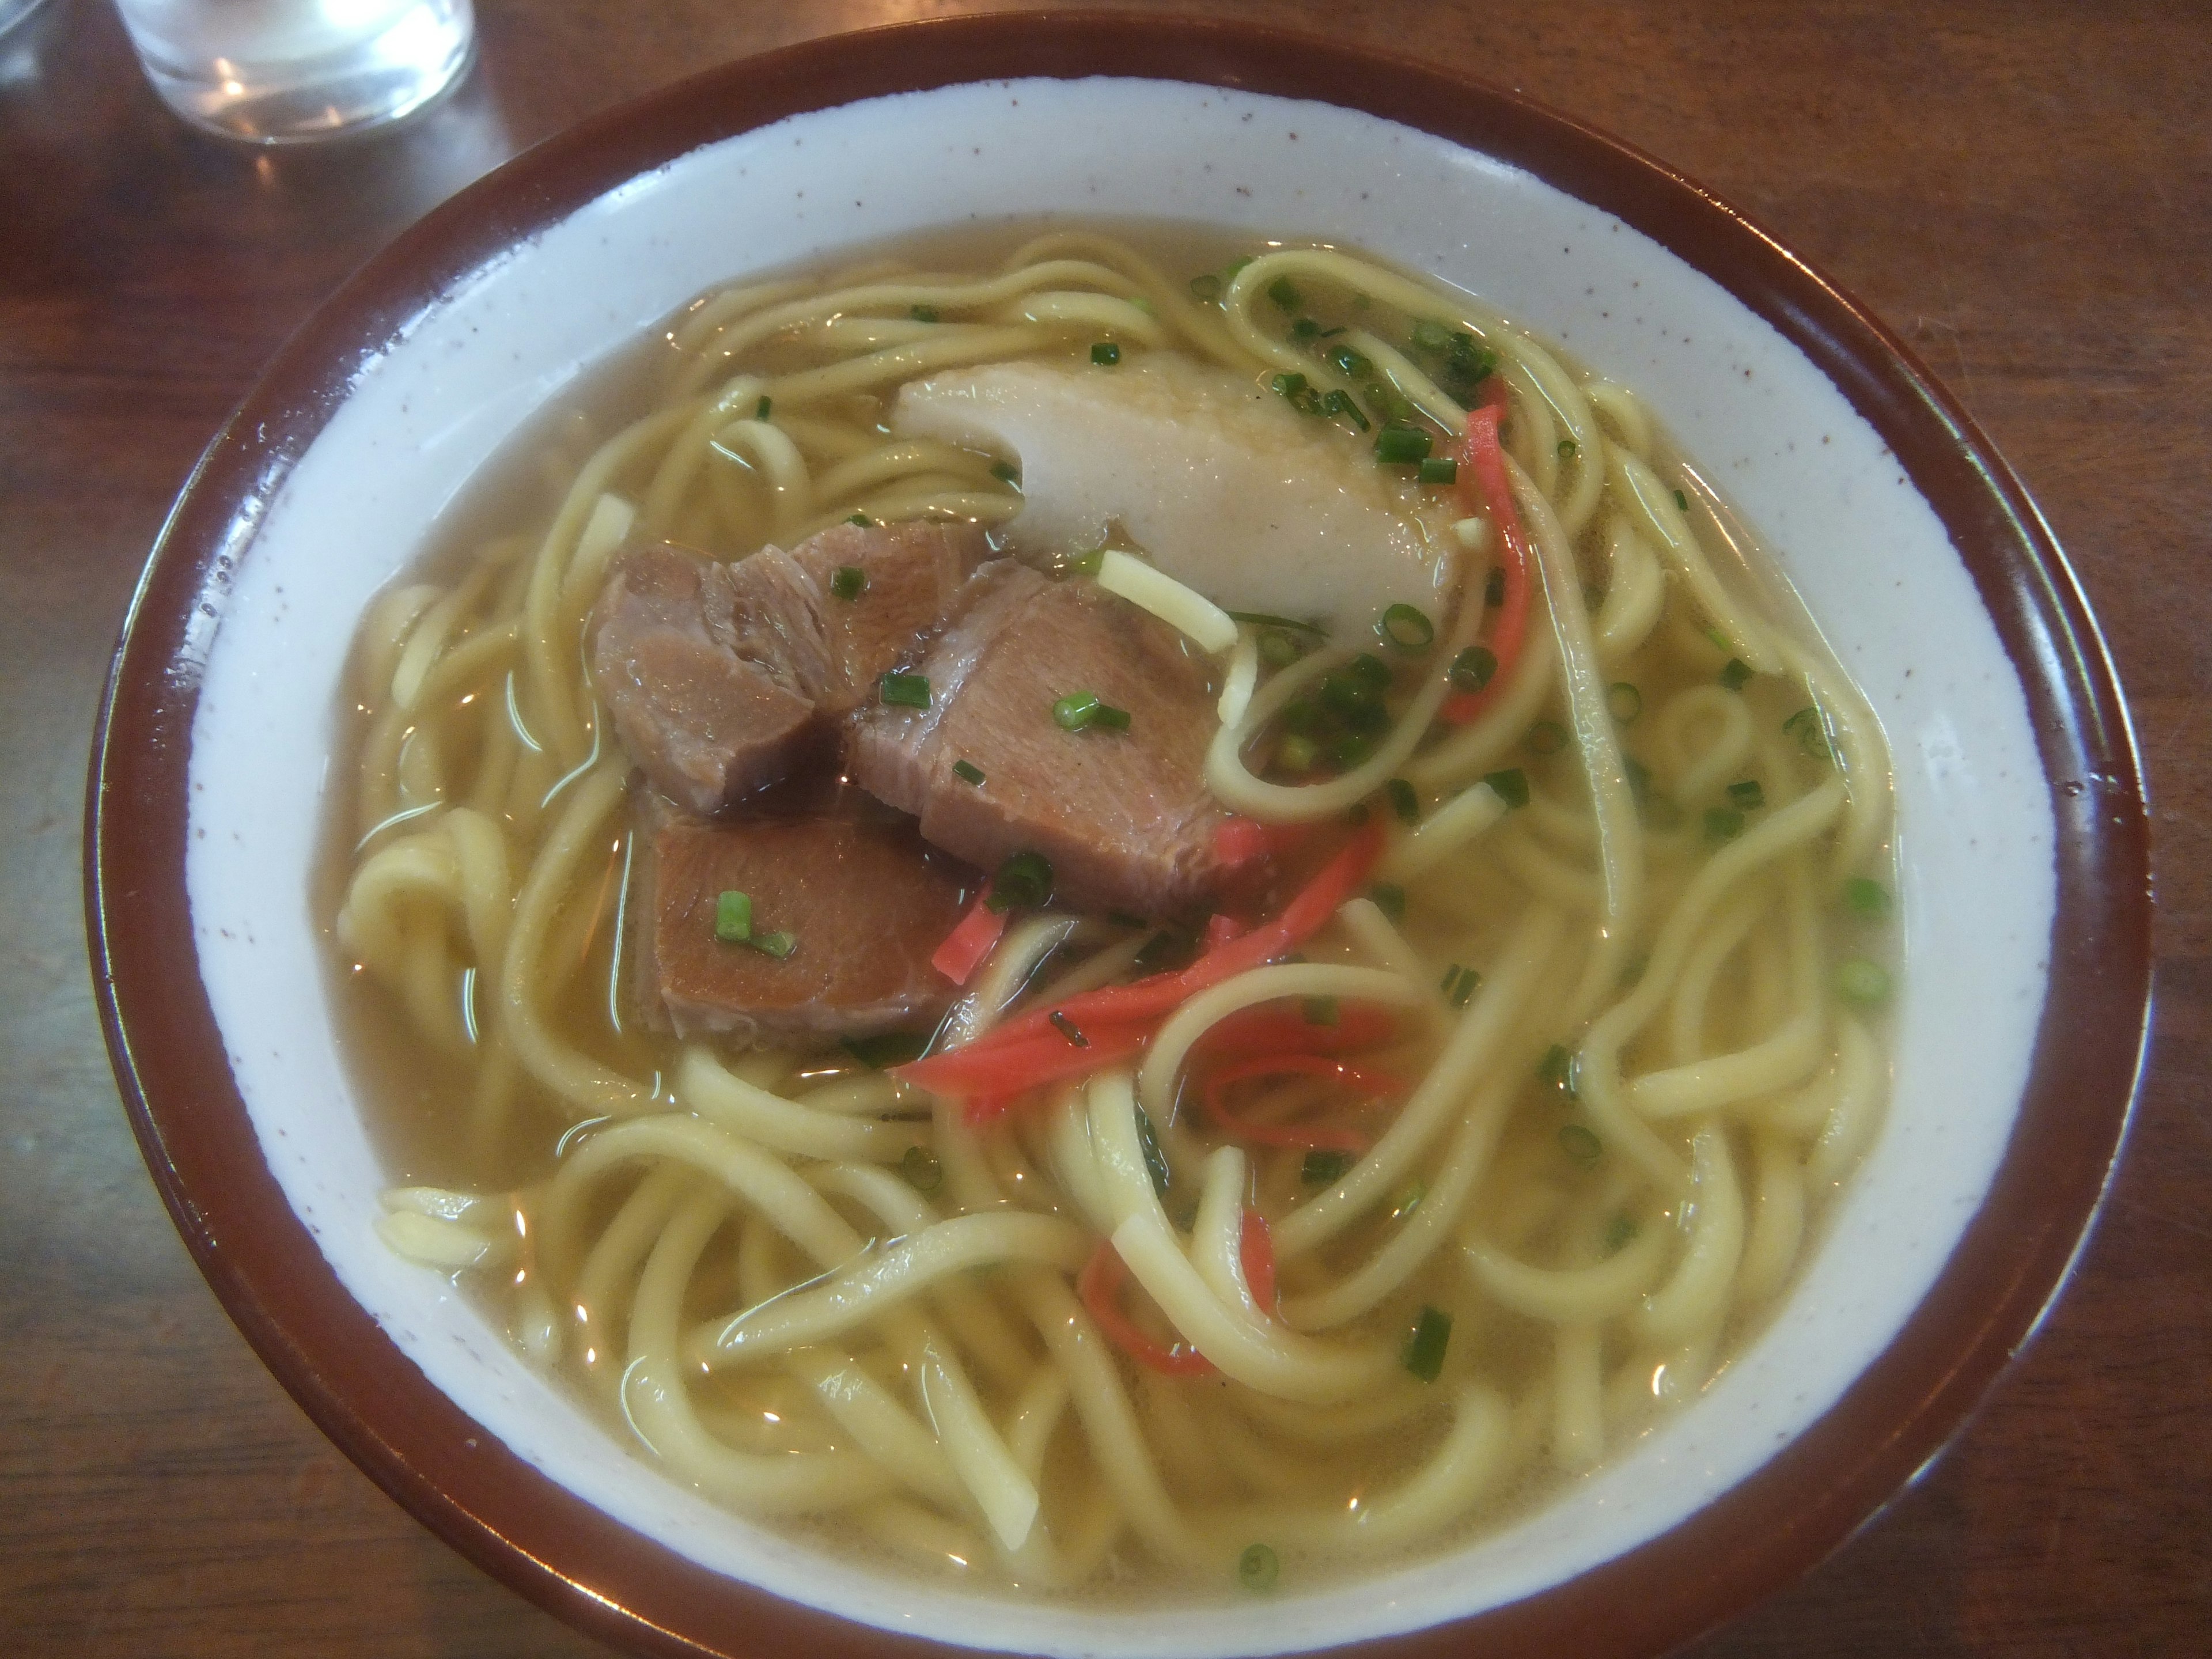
[{"x": 2023, "y": 190}]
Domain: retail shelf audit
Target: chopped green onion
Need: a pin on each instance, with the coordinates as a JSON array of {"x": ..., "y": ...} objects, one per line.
[
  {"x": 1205, "y": 288},
  {"x": 1720, "y": 641},
  {"x": 1390, "y": 403},
  {"x": 1460, "y": 985},
  {"x": 1284, "y": 292},
  {"x": 1324, "y": 1164},
  {"x": 1493, "y": 589},
  {"x": 1681, "y": 501},
  {"x": 1289, "y": 385},
  {"x": 861, "y": 520},
  {"x": 1229, "y": 271},
  {"x": 1257, "y": 1569},
  {"x": 779, "y": 944},
  {"x": 1389, "y": 898},
  {"x": 1368, "y": 671},
  {"x": 1568, "y": 449},
  {"x": 1296, "y": 753},
  {"x": 904, "y": 690},
  {"x": 1438, "y": 470},
  {"x": 1735, "y": 674},
  {"x": 1350, "y": 364},
  {"x": 1105, "y": 354},
  {"x": 1623, "y": 701},
  {"x": 1748, "y": 795},
  {"x": 733, "y": 917},
  {"x": 1862, "y": 981},
  {"x": 1331, "y": 333},
  {"x": 1811, "y": 736},
  {"x": 1347, "y": 753},
  {"x": 1580, "y": 1145},
  {"x": 1512, "y": 785},
  {"x": 1868, "y": 899},
  {"x": 922, "y": 1170},
  {"x": 1619, "y": 1233},
  {"x": 1320, "y": 1011},
  {"x": 1547, "y": 738},
  {"x": 1398, "y": 445},
  {"x": 968, "y": 771},
  {"x": 1156, "y": 1161},
  {"x": 1277, "y": 648},
  {"x": 1432, "y": 336},
  {"x": 1406, "y": 628},
  {"x": 1112, "y": 719},
  {"x": 1006, "y": 473},
  {"x": 1404, "y": 801},
  {"x": 1409, "y": 1200},
  {"x": 1081, "y": 709},
  {"x": 1722, "y": 823},
  {"x": 1424, "y": 1352},
  {"x": 1473, "y": 668},
  {"x": 1304, "y": 329},
  {"x": 1025, "y": 878},
  {"x": 889, "y": 1049},
  {"x": 761, "y": 408},
  {"x": 1557, "y": 1068},
  {"x": 1262, "y": 619},
  {"x": 1333, "y": 404},
  {"x": 849, "y": 582},
  {"x": 1061, "y": 1024},
  {"x": 922, "y": 313}
]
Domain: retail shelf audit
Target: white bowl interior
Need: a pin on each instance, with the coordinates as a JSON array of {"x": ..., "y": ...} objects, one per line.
[{"x": 1864, "y": 548}]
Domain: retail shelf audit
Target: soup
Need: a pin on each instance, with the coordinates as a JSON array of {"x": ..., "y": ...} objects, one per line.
[{"x": 1106, "y": 915}]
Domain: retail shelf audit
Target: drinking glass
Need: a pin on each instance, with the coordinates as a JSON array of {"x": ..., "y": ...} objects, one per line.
[{"x": 288, "y": 71}]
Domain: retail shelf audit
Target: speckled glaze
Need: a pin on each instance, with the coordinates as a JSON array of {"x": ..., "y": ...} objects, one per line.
[{"x": 2023, "y": 851}]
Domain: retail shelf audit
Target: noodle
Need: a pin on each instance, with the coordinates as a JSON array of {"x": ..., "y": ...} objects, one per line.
[{"x": 1570, "y": 1074}]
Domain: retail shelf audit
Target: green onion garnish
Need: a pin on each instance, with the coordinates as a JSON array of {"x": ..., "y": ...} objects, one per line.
[
  {"x": 1389, "y": 898},
  {"x": 1619, "y": 1233},
  {"x": 761, "y": 408},
  {"x": 1205, "y": 288},
  {"x": 849, "y": 582},
  {"x": 922, "y": 313},
  {"x": 1404, "y": 801},
  {"x": 1409, "y": 1200},
  {"x": 1568, "y": 448},
  {"x": 888, "y": 1049},
  {"x": 1406, "y": 628},
  {"x": 1257, "y": 1569},
  {"x": 1277, "y": 648},
  {"x": 1284, "y": 292},
  {"x": 1370, "y": 671},
  {"x": 1862, "y": 981},
  {"x": 1459, "y": 984},
  {"x": 1320, "y": 1011},
  {"x": 1811, "y": 736},
  {"x": 1006, "y": 473},
  {"x": 1722, "y": 823},
  {"x": 1025, "y": 878},
  {"x": 1398, "y": 445},
  {"x": 1390, "y": 403},
  {"x": 1105, "y": 354},
  {"x": 1623, "y": 701},
  {"x": 1547, "y": 738},
  {"x": 779, "y": 945},
  {"x": 1424, "y": 1352},
  {"x": 904, "y": 690},
  {"x": 1345, "y": 753},
  {"x": 1438, "y": 470},
  {"x": 1304, "y": 329},
  {"x": 1746, "y": 795},
  {"x": 1296, "y": 753},
  {"x": 861, "y": 520},
  {"x": 1262, "y": 619},
  {"x": 1156, "y": 1161},
  {"x": 1557, "y": 1068},
  {"x": 1868, "y": 899},
  {"x": 1735, "y": 674},
  {"x": 1432, "y": 336},
  {"x": 1681, "y": 501},
  {"x": 1333, "y": 404},
  {"x": 968, "y": 771},
  {"x": 1580, "y": 1145},
  {"x": 1512, "y": 785},
  {"x": 1324, "y": 1164},
  {"x": 1350, "y": 364},
  {"x": 922, "y": 1170},
  {"x": 1080, "y": 709},
  {"x": 733, "y": 917},
  {"x": 1065, "y": 1027},
  {"x": 1473, "y": 668}
]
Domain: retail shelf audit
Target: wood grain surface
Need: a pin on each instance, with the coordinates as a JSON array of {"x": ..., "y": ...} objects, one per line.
[{"x": 2023, "y": 191}]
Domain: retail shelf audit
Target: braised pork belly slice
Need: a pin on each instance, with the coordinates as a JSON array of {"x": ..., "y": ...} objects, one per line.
[
  {"x": 1123, "y": 815},
  {"x": 720, "y": 677},
  {"x": 863, "y": 902}
]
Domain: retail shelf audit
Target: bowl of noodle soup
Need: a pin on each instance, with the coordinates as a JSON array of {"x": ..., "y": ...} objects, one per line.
[{"x": 1574, "y": 1124}]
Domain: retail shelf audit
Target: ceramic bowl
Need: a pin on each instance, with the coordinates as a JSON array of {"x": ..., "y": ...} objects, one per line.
[{"x": 2018, "y": 793}]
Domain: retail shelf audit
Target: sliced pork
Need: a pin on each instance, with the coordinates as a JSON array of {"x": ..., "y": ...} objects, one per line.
[
  {"x": 721, "y": 676},
  {"x": 864, "y": 903},
  {"x": 1123, "y": 816}
]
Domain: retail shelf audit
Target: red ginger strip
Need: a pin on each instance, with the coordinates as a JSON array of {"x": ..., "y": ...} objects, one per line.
[
  {"x": 1482, "y": 463},
  {"x": 1099, "y": 1285}
]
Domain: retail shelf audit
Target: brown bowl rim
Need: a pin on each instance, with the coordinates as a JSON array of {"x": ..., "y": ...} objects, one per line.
[{"x": 514, "y": 1520}]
